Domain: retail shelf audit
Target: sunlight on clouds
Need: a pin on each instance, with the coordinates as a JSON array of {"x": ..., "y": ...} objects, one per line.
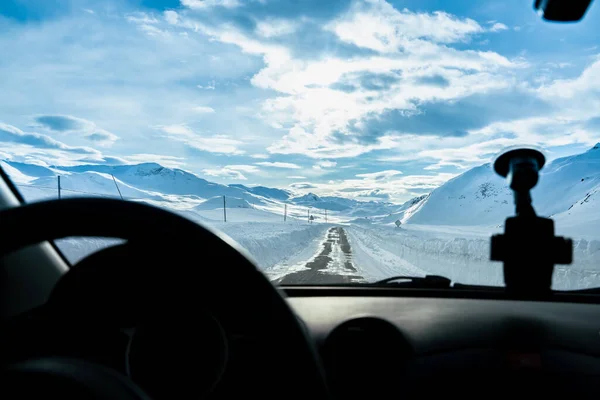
[
  {"x": 377, "y": 25},
  {"x": 315, "y": 111},
  {"x": 576, "y": 97}
]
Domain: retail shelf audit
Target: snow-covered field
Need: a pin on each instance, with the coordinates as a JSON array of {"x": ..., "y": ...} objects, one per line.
[
  {"x": 275, "y": 246},
  {"x": 446, "y": 232}
]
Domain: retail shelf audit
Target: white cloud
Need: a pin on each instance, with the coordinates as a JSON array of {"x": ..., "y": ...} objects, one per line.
[
  {"x": 214, "y": 144},
  {"x": 141, "y": 18},
  {"x": 392, "y": 188},
  {"x": 234, "y": 172},
  {"x": 33, "y": 147},
  {"x": 324, "y": 164},
  {"x": 171, "y": 17},
  {"x": 67, "y": 124},
  {"x": 204, "y": 110},
  {"x": 410, "y": 47},
  {"x": 12, "y": 134},
  {"x": 102, "y": 138},
  {"x": 243, "y": 168},
  {"x": 298, "y": 141},
  {"x": 380, "y": 174},
  {"x": 379, "y": 26},
  {"x": 327, "y": 164},
  {"x": 497, "y": 27},
  {"x": 209, "y": 86},
  {"x": 225, "y": 173},
  {"x": 580, "y": 87},
  {"x": 259, "y": 156},
  {"x": 296, "y": 177},
  {"x": 273, "y": 27},
  {"x": 206, "y": 4},
  {"x": 278, "y": 165}
]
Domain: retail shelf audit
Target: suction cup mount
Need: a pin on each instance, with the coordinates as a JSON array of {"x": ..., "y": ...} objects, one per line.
[{"x": 528, "y": 248}]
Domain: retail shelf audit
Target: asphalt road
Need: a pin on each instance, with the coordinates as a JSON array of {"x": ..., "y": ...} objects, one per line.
[{"x": 333, "y": 265}]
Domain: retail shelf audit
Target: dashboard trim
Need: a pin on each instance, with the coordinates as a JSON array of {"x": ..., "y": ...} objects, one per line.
[{"x": 455, "y": 293}]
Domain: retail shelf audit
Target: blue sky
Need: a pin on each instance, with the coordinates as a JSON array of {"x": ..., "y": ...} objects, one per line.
[{"x": 367, "y": 98}]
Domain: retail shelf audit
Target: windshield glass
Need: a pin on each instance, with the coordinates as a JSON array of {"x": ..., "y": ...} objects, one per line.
[{"x": 338, "y": 142}]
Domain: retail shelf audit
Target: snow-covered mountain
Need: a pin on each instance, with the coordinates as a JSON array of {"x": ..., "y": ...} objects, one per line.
[
  {"x": 156, "y": 178},
  {"x": 567, "y": 187},
  {"x": 151, "y": 181},
  {"x": 403, "y": 212},
  {"x": 568, "y": 190},
  {"x": 215, "y": 203},
  {"x": 272, "y": 193},
  {"x": 350, "y": 207}
]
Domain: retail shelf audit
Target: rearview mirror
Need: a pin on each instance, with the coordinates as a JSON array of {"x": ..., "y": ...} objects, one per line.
[{"x": 562, "y": 10}]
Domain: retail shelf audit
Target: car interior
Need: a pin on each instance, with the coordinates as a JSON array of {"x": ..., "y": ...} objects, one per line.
[{"x": 146, "y": 320}]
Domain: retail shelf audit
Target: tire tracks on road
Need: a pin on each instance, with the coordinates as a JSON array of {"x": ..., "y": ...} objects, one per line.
[{"x": 332, "y": 265}]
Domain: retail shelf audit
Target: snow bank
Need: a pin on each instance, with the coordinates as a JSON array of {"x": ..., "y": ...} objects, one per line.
[
  {"x": 459, "y": 253},
  {"x": 273, "y": 243},
  {"x": 383, "y": 251},
  {"x": 373, "y": 260},
  {"x": 270, "y": 243}
]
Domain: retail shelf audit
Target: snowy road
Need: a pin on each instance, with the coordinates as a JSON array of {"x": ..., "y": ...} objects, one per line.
[{"x": 331, "y": 265}]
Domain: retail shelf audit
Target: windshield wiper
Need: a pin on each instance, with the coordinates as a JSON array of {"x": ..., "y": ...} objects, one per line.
[{"x": 427, "y": 281}]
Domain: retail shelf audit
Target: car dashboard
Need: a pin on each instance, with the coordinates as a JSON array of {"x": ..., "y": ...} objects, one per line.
[{"x": 372, "y": 342}]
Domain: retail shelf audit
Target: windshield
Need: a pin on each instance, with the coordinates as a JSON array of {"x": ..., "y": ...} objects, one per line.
[{"x": 338, "y": 142}]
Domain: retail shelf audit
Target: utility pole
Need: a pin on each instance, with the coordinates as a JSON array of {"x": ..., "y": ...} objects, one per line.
[
  {"x": 284, "y": 212},
  {"x": 118, "y": 190},
  {"x": 224, "y": 210},
  {"x": 59, "y": 187}
]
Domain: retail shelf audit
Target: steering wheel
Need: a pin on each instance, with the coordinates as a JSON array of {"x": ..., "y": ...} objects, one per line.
[{"x": 154, "y": 276}]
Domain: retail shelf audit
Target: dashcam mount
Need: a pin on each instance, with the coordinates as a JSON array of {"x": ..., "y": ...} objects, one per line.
[{"x": 528, "y": 248}]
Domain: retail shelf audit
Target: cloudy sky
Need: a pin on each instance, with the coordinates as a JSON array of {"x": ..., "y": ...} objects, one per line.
[{"x": 363, "y": 98}]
